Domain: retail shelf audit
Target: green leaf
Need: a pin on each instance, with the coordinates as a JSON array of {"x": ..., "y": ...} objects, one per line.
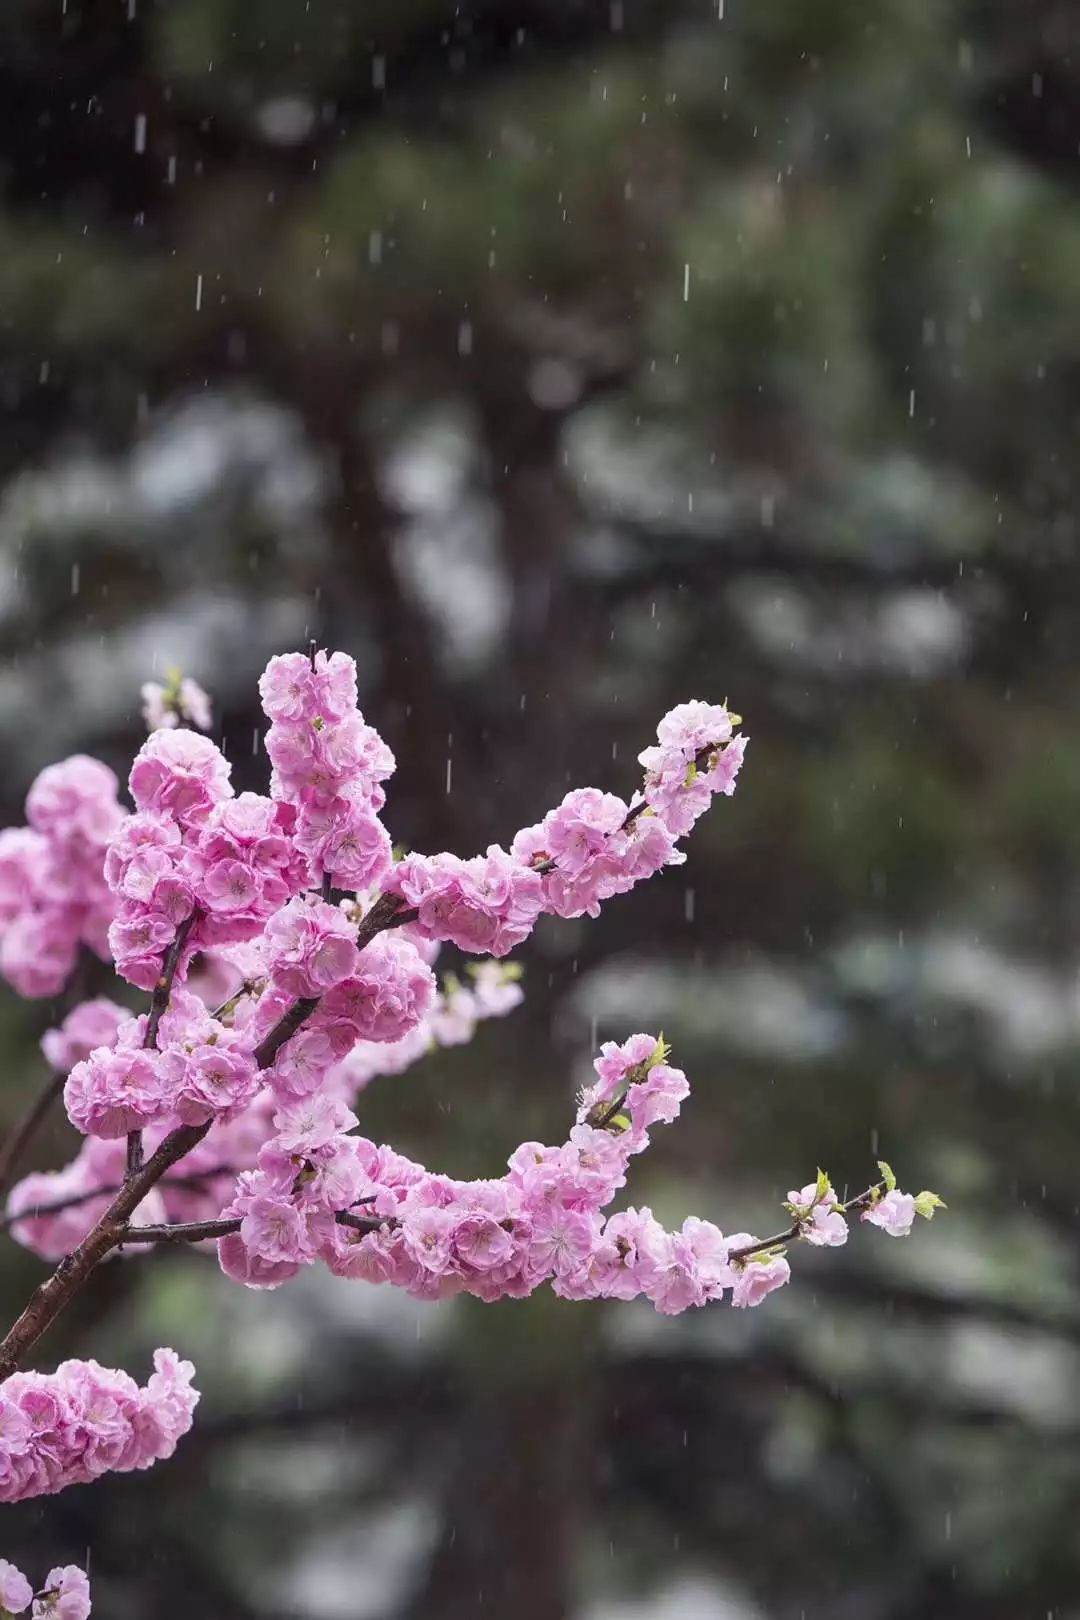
[
  {"x": 824, "y": 1186},
  {"x": 887, "y": 1175},
  {"x": 661, "y": 1053},
  {"x": 926, "y": 1202}
]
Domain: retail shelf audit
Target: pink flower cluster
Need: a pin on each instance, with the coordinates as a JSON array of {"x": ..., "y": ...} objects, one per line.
[
  {"x": 596, "y": 848},
  {"x": 247, "y": 878},
  {"x": 592, "y": 846},
  {"x": 695, "y": 756},
  {"x": 227, "y": 862},
  {"x": 53, "y": 896},
  {"x": 199, "y": 1187},
  {"x": 328, "y": 764},
  {"x": 488, "y": 904},
  {"x": 84, "y": 1420},
  {"x": 200, "y": 1070},
  {"x": 64, "y": 1596},
  {"x": 541, "y": 1222}
]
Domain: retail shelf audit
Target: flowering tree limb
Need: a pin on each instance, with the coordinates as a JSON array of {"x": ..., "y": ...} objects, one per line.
[{"x": 331, "y": 994}]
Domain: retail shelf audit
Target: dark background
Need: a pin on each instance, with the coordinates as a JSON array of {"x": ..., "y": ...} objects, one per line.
[{"x": 560, "y": 361}]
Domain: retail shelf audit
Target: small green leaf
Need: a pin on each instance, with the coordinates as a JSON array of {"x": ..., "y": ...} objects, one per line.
[
  {"x": 926, "y": 1203},
  {"x": 887, "y": 1175},
  {"x": 824, "y": 1186}
]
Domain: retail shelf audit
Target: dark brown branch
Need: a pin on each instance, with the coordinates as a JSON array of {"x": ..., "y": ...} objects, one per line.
[
  {"x": 364, "y": 1223},
  {"x": 27, "y": 1128},
  {"x": 50, "y": 1298},
  {"x": 204, "y": 1231},
  {"x": 179, "y": 1232},
  {"x": 58, "y": 1206},
  {"x": 159, "y": 1002}
]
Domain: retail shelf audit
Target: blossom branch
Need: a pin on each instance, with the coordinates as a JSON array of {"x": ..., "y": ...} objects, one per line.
[
  {"x": 51, "y": 1296},
  {"x": 204, "y": 1231},
  {"x": 795, "y": 1230}
]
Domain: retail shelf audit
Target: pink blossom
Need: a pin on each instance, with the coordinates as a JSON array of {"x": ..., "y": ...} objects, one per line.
[
  {"x": 24, "y": 871},
  {"x": 273, "y": 1230},
  {"x": 182, "y": 702},
  {"x": 115, "y": 1091},
  {"x": 291, "y": 690},
  {"x": 179, "y": 773},
  {"x": 65, "y": 1595},
  {"x": 15, "y": 1589},
  {"x": 348, "y": 840},
  {"x": 90, "y": 1024},
  {"x": 826, "y": 1227},
  {"x": 894, "y": 1213},
  {"x": 580, "y": 828},
  {"x": 303, "y": 1063},
  {"x": 311, "y": 947},
  {"x": 75, "y": 799},
  {"x": 312, "y": 1123},
  {"x": 38, "y": 950},
  {"x": 244, "y": 1265},
  {"x": 213, "y": 1080},
  {"x": 389, "y": 991},
  {"x": 757, "y": 1277}
]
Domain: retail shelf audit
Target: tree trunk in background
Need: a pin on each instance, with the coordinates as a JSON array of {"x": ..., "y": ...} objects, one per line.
[{"x": 512, "y": 1503}]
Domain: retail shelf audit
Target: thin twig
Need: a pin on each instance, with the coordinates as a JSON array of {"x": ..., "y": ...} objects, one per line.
[
  {"x": 207, "y": 1231},
  {"x": 159, "y": 1003},
  {"x": 795, "y": 1230},
  {"x": 189, "y": 1183},
  {"x": 51, "y": 1296},
  {"x": 28, "y": 1127},
  {"x": 364, "y": 1223},
  {"x": 34, "y": 1117}
]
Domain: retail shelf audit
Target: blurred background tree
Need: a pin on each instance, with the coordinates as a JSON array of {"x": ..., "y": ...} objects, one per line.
[{"x": 561, "y": 359}]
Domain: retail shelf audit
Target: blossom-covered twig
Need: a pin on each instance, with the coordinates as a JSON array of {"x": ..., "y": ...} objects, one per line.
[{"x": 272, "y": 1072}]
